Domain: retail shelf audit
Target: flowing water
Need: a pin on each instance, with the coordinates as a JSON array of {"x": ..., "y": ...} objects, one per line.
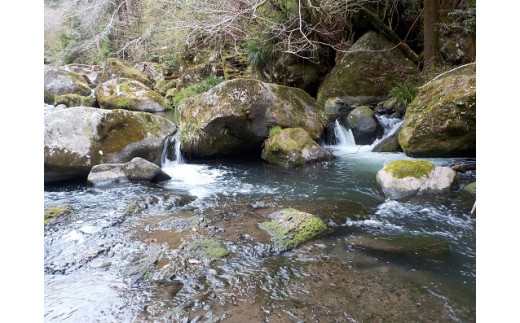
[{"x": 120, "y": 256}]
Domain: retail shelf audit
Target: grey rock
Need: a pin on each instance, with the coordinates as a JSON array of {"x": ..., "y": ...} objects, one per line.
[{"x": 138, "y": 169}]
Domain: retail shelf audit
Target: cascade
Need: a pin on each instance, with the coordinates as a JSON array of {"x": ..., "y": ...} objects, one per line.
[
  {"x": 344, "y": 137},
  {"x": 171, "y": 158}
]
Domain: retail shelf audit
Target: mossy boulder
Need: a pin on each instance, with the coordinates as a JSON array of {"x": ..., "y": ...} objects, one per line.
[
  {"x": 364, "y": 125},
  {"x": 75, "y": 100},
  {"x": 367, "y": 72},
  {"x": 128, "y": 94},
  {"x": 293, "y": 147},
  {"x": 55, "y": 211},
  {"x": 138, "y": 169},
  {"x": 390, "y": 144},
  {"x": 58, "y": 81},
  {"x": 91, "y": 73},
  {"x": 471, "y": 188},
  {"x": 403, "y": 178},
  {"x": 441, "y": 120},
  {"x": 114, "y": 68},
  {"x": 197, "y": 73},
  {"x": 236, "y": 115},
  {"x": 78, "y": 138},
  {"x": 391, "y": 107},
  {"x": 289, "y": 228},
  {"x": 162, "y": 86}
]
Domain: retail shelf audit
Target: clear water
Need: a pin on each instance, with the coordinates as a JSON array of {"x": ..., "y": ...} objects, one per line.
[{"x": 92, "y": 257}]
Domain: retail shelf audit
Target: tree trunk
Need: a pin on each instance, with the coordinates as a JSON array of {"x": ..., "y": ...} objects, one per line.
[{"x": 431, "y": 39}]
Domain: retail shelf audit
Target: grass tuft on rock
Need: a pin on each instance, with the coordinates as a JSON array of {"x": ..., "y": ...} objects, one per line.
[{"x": 410, "y": 168}]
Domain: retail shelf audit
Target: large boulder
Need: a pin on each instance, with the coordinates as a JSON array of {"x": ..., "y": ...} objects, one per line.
[
  {"x": 441, "y": 120},
  {"x": 402, "y": 178},
  {"x": 116, "y": 69},
  {"x": 138, "y": 169},
  {"x": 364, "y": 125},
  {"x": 76, "y": 139},
  {"x": 58, "y": 81},
  {"x": 289, "y": 228},
  {"x": 293, "y": 147},
  {"x": 367, "y": 72},
  {"x": 124, "y": 93},
  {"x": 236, "y": 116}
]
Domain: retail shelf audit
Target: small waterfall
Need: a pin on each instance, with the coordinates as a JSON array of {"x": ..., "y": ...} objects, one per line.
[
  {"x": 390, "y": 125},
  {"x": 344, "y": 137},
  {"x": 171, "y": 158}
]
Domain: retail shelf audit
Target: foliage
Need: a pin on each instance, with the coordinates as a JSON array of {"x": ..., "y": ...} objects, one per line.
[
  {"x": 196, "y": 89},
  {"x": 403, "y": 92},
  {"x": 274, "y": 131},
  {"x": 462, "y": 20},
  {"x": 123, "y": 104},
  {"x": 258, "y": 54}
]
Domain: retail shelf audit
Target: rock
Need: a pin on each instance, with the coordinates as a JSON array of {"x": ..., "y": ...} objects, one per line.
[
  {"x": 76, "y": 139},
  {"x": 335, "y": 108},
  {"x": 123, "y": 93},
  {"x": 150, "y": 69},
  {"x": 450, "y": 50},
  {"x": 289, "y": 228},
  {"x": 138, "y": 169},
  {"x": 391, "y": 107},
  {"x": 364, "y": 125},
  {"x": 236, "y": 115},
  {"x": 52, "y": 212},
  {"x": 91, "y": 73},
  {"x": 116, "y": 69},
  {"x": 293, "y": 147},
  {"x": 403, "y": 178},
  {"x": 366, "y": 73},
  {"x": 390, "y": 144},
  {"x": 75, "y": 100},
  {"x": 162, "y": 86},
  {"x": 58, "y": 81},
  {"x": 198, "y": 73},
  {"x": 415, "y": 246},
  {"x": 471, "y": 188},
  {"x": 206, "y": 249},
  {"x": 441, "y": 120}
]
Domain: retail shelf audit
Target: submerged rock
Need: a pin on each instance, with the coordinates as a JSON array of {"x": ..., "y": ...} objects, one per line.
[
  {"x": 471, "y": 188},
  {"x": 293, "y": 147},
  {"x": 59, "y": 81},
  {"x": 116, "y": 69},
  {"x": 441, "y": 120},
  {"x": 415, "y": 246},
  {"x": 55, "y": 211},
  {"x": 138, "y": 169},
  {"x": 389, "y": 144},
  {"x": 403, "y": 178},
  {"x": 289, "y": 228},
  {"x": 367, "y": 72},
  {"x": 235, "y": 116},
  {"x": 205, "y": 249},
  {"x": 364, "y": 125},
  {"x": 76, "y": 139},
  {"x": 124, "y": 93}
]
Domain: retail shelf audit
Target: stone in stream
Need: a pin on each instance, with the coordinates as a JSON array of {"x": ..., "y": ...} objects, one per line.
[
  {"x": 138, "y": 169},
  {"x": 471, "y": 188},
  {"x": 415, "y": 246},
  {"x": 364, "y": 125},
  {"x": 389, "y": 144},
  {"x": 289, "y": 228},
  {"x": 78, "y": 138},
  {"x": 55, "y": 211},
  {"x": 128, "y": 94},
  {"x": 403, "y": 178},
  {"x": 204, "y": 249},
  {"x": 293, "y": 147},
  {"x": 59, "y": 81},
  {"x": 235, "y": 116}
]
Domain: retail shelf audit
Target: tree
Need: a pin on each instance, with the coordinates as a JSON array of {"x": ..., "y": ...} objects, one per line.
[{"x": 431, "y": 38}]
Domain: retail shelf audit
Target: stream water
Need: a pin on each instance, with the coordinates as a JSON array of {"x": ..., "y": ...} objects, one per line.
[{"x": 119, "y": 256}]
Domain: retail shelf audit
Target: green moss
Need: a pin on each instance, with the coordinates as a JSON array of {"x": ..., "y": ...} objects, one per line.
[
  {"x": 410, "y": 168},
  {"x": 196, "y": 89},
  {"x": 116, "y": 68},
  {"x": 471, "y": 188},
  {"x": 290, "y": 228},
  {"x": 206, "y": 249},
  {"x": 55, "y": 211},
  {"x": 274, "y": 131},
  {"x": 162, "y": 86},
  {"x": 358, "y": 113},
  {"x": 123, "y": 104}
]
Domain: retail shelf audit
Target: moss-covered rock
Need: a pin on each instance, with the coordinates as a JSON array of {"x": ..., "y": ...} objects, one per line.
[
  {"x": 162, "y": 86},
  {"x": 116, "y": 69},
  {"x": 236, "y": 116},
  {"x": 205, "y": 249},
  {"x": 293, "y": 147},
  {"x": 124, "y": 93},
  {"x": 403, "y": 178},
  {"x": 75, "y": 100},
  {"x": 76, "y": 139},
  {"x": 367, "y": 72},
  {"x": 364, "y": 125},
  {"x": 289, "y": 228},
  {"x": 471, "y": 188},
  {"x": 389, "y": 144},
  {"x": 391, "y": 107},
  {"x": 441, "y": 120},
  {"x": 55, "y": 211},
  {"x": 59, "y": 81}
]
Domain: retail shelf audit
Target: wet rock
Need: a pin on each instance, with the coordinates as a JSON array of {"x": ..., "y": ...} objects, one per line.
[
  {"x": 403, "y": 178},
  {"x": 76, "y": 139},
  {"x": 59, "y": 81},
  {"x": 114, "y": 68},
  {"x": 416, "y": 246},
  {"x": 336, "y": 108},
  {"x": 124, "y": 93},
  {"x": 354, "y": 81},
  {"x": 471, "y": 188},
  {"x": 441, "y": 120},
  {"x": 236, "y": 116},
  {"x": 205, "y": 249},
  {"x": 138, "y": 169},
  {"x": 294, "y": 147},
  {"x": 391, "y": 107},
  {"x": 289, "y": 228},
  {"x": 364, "y": 125},
  {"x": 143, "y": 265},
  {"x": 55, "y": 211},
  {"x": 389, "y": 144}
]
